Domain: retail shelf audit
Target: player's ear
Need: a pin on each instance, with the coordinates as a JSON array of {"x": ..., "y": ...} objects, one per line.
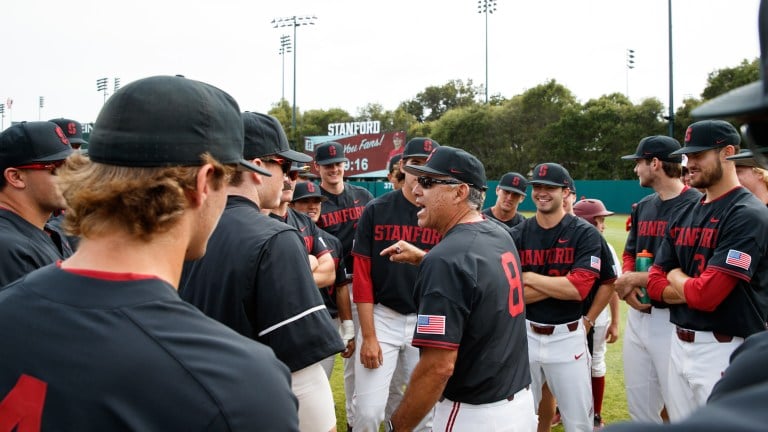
[{"x": 728, "y": 150}]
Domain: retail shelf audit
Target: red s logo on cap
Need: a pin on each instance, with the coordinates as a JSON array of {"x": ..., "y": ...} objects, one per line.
[
  {"x": 543, "y": 171},
  {"x": 61, "y": 136},
  {"x": 71, "y": 128},
  {"x": 332, "y": 150},
  {"x": 310, "y": 187},
  {"x": 688, "y": 135},
  {"x": 428, "y": 145},
  {"x": 515, "y": 181}
]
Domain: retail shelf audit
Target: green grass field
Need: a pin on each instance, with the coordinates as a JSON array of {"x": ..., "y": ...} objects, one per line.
[{"x": 614, "y": 401}]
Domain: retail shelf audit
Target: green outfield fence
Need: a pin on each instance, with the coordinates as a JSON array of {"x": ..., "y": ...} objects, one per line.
[{"x": 617, "y": 195}]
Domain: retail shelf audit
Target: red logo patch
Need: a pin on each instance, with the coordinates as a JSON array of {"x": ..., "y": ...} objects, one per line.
[
  {"x": 332, "y": 150},
  {"x": 61, "y": 135},
  {"x": 71, "y": 128},
  {"x": 687, "y": 135},
  {"x": 543, "y": 171},
  {"x": 311, "y": 187},
  {"x": 515, "y": 181},
  {"x": 428, "y": 145}
]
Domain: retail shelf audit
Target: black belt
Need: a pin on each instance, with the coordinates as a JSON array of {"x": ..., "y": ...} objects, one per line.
[
  {"x": 509, "y": 398},
  {"x": 690, "y": 336},
  {"x": 549, "y": 329}
]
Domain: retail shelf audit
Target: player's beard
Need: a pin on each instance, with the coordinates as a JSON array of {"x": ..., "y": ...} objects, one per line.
[{"x": 706, "y": 179}]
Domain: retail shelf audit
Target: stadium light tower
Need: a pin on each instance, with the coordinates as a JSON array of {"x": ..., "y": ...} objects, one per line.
[
  {"x": 101, "y": 85},
  {"x": 486, "y": 7},
  {"x": 285, "y": 47},
  {"x": 40, "y": 107},
  {"x": 294, "y": 21},
  {"x": 630, "y": 65}
]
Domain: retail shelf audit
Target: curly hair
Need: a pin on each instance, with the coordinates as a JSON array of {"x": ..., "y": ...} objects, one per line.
[{"x": 141, "y": 201}]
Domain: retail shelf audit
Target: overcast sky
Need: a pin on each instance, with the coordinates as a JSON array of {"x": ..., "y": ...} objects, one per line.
[{"x": 362, "y": 51}]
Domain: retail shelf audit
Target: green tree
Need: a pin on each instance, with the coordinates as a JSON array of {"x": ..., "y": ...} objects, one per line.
[
  {"x": 434, "y": 101},
  {"x": 727, "y": 79},
  {"x": 315, "y": 122}
]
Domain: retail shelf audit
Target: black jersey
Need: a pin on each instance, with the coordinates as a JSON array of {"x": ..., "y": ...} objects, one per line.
[
  {"x": 387, "y": 219},
  {"x": 648, "y": 225},
  {"x": 95, "y": 351},
  {"x": 608, "y": 274},
  {"x": 255, "y": 278},
  {"x": 66, "y": 244},
  {"x": 729, "y": 234},
  {"x": 471, "y": 300},
  {"x": 571, "y": 244},
  {"x": 329, "y": 293},
  {"x": 516, "y": 219},
  {"x": 308, "y": 231},
  {"x": 339, "y": 215},
  {"x": 23, "y": 247}
]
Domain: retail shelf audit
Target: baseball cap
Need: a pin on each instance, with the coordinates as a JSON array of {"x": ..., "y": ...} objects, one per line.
[
  {"x": 29, "y": 142},
  {"x": 419, "y": 147},
  {"x": 551, "y": 174},
  {"x": 749, "y": 99},
  {"x": 264, "y": 136},
  {"x": 72, "y": 129},
  {"x": 392, "y": 162},
  {"x": 707, "y": 135},
  {"x": 513, "y": 182},
  {"x": 329, "y": 153},
  {"x": 744, "y": 158},
  {"x": 657, "y": 146},
  {"x": 590, "y": 208},
  {"x": 168, "y": 121},
  {"x": 299, "y": 167},
  {"x": 307, "y": 190},
  {"x": 452, "y": 162}
]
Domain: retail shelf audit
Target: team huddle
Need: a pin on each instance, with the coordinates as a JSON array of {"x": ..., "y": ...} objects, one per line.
[{"x": 183, "y": 272}]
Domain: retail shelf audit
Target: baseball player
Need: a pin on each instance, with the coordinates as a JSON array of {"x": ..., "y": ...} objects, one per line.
[
  {"x": 606, "y": 326},
  {"x": 320, "y": 258},
  {"x": 30, "y": 154},
  {"x": 560, "y": 255},
  {"x": 509, "y": 194},
  {"x": 710, "y": 266},
  {"x": 471, "y": 319},
  {"x": 750, "y": 175},
  {"x": 394, "y": 174},
  {"x": 383, "y": 291},
  {"x": 101, "y": 341},
  {"x": 307, "y": 200},
  {"x": 648, "y": 334},
  {"x": 256, "y": 277},
  {"x": 339, "y": 217},
  {"x": 398, "y": 138}
]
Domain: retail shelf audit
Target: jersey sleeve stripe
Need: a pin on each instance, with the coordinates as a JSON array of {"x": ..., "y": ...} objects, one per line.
[
  {"x": 290, "y": 320},
  {"x": 435, "y": 344}
]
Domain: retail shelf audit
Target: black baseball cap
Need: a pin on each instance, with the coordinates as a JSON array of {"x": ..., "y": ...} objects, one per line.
[
  {"x": 745, "y": 158},
  {"x": 657, "y": 146},
  {"x": 264, "y": 136},
  {"x": 329, "y": 153},
  {"x": 393, "y": 161},
  {"x": 30, "y": 142},
  {"x": 72, "y": 129},
  {"x": 419, "y": 147},
  {"x": 168, "y": 121},
  {"x": 709, "y": 134},
  {"x": 513, "y": 182},
  {"x": 307, "y": 190},
  {"x": 452, "y": 162},
  {"x": 551, "y": 174}
]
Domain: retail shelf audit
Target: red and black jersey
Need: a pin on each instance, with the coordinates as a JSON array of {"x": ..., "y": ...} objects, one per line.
[
  {"x": 255, "y": 278},
  {"x": 516, "y": 219},
  {"x": 308, "y": 231},
  {"x": 471, "y": 300},
  {"x": 728, "y": 235},
  {"x": 387, "y": 219},
  {"x": 648, "y": 225},
  {"x": 607, "y": 274},
  {"x": 23, "y": 247},
  {"x": 339, "y": 215},
  {"x": 97, "y": 351},
  {"x": 573, "y": 244}
]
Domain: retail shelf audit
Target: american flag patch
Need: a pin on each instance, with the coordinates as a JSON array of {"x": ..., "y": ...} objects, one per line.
[
  {"x": 594, "y": 262},
  {"x": 738, "y": 259},
  {"x": 431, "y": 324}
]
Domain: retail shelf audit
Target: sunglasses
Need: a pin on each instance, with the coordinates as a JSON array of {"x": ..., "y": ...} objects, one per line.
[
  {"x": 285, "y": 166},
  {"x": 428, "y": 182},
  {"x": 50, "y": 166}
]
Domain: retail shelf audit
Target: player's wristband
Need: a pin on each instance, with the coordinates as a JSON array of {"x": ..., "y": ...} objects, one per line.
[
  {"x": 592, "y": 323},
  {"x": 347, "y": 330}
]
